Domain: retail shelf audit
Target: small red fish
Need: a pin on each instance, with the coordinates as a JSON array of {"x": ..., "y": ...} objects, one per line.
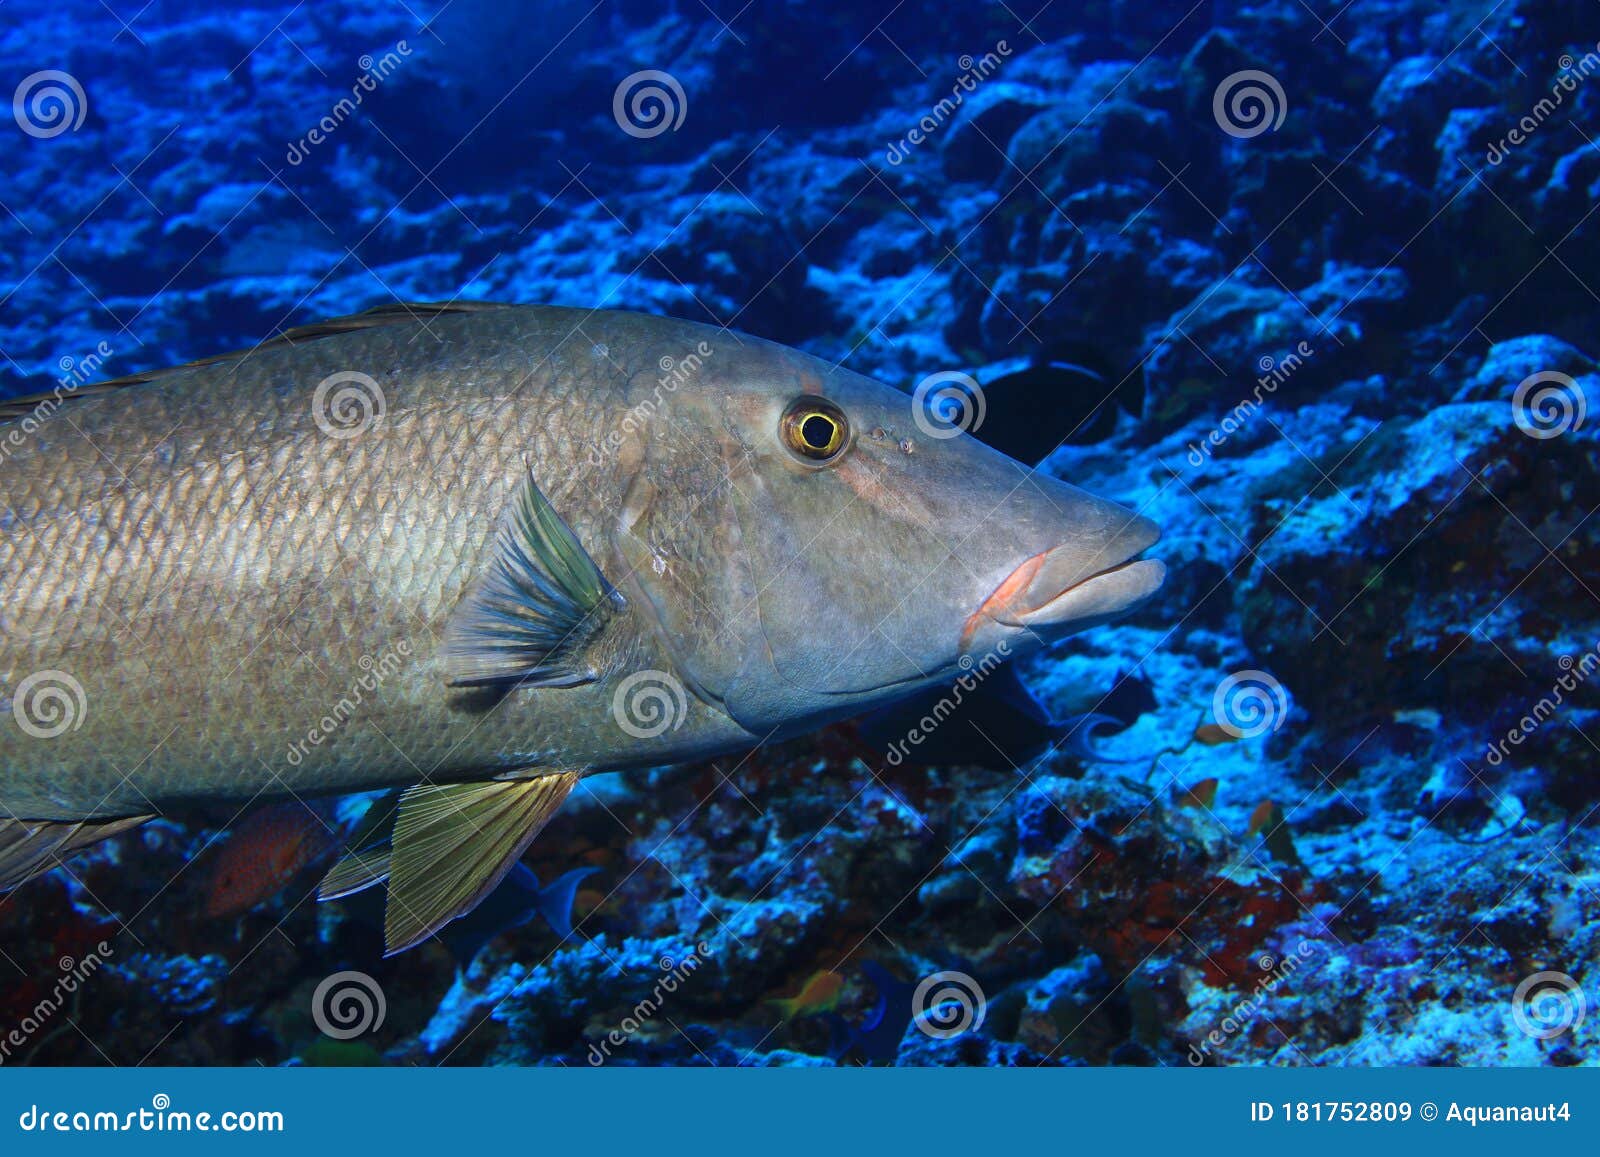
[
  {"x": 1269, "y": 820},
  {"x": 1199, "y": 795},
  {"x": 1264, "y": 816},
  {"x": 263, "y": 855},
  {"x": 1214, "y": 735}
]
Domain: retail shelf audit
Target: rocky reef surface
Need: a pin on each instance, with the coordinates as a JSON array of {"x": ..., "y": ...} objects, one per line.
[{"x": 1334, "y": 265}]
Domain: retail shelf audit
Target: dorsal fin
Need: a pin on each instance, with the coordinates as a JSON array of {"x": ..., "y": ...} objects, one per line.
[{"x": 397, "y": 313}]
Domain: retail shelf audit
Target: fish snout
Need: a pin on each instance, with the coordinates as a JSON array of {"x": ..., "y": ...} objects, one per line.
[{"x": 1071, "y": 587}]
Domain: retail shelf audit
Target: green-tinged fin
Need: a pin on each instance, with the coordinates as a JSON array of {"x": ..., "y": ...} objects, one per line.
[
  {"x": 397, "y": 313},
  {"x": 31, "y": 847},
  {"x": 367, "y": 851},
  {"x": 356, "y": 873},
  {"x": 531, "y": 618},
  {"x": 453, "y": 843}
]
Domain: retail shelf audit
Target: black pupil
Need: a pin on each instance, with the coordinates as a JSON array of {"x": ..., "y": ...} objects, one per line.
[{"x": 817, "y": 432}]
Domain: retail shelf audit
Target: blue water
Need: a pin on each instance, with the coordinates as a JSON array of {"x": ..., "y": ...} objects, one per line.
[{"x": 1314, "y": 285}]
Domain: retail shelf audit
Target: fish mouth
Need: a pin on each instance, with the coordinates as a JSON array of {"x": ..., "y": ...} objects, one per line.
[{"x": 1071, "y": 588}]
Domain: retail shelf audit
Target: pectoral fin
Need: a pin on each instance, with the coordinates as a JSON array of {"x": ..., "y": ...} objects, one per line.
[
  {"x": 530, "y": 619},
  {"x": 29, "y": 848},
  {"x": 454, "y": 843}
]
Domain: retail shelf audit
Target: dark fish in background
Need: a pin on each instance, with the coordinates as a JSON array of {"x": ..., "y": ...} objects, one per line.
[
  {"x": 516, "y": 901},
  {"x": 264, "y": 855},
  {"x": 1068, "y": 396},
  {"x": 878, "y": 1037},
  {"x": 999, "y": 724},
  {"x": 1131, "y": 696}
]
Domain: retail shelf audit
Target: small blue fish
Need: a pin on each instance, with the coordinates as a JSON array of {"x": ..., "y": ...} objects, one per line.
[
  {"x": 516, "y": 901},
  {"x": 878, "y": 1037}
]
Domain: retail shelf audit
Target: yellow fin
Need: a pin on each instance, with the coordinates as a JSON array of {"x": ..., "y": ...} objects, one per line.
[
  {"x": 356, "y": 873},
  {"x": 453, "y": 843}
]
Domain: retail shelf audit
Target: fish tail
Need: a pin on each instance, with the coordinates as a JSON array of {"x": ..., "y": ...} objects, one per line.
[{"x": 555, "y": 899}]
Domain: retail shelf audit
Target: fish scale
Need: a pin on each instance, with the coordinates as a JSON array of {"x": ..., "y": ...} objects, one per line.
[{"x": 215, "y": 602}]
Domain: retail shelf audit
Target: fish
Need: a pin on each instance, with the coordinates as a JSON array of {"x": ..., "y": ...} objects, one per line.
[
  {"x": 264, "y": 855},
  {"x": 1066, "y": 396},
  {"x": 475, "y": 552},
  {"x": 994, "y": 720},
  {"x": 819, "y": 994},
  {"x": 877, "y": 1037},
  {"x": 1268, "y": 821},
  {"x": 1201, "y": 795},
  {"x": 517, "y": 899},
  {"x": 1215, "y": 735}
]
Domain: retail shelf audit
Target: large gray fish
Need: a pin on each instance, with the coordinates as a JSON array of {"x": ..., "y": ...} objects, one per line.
[{"x": 478, "y": 552}]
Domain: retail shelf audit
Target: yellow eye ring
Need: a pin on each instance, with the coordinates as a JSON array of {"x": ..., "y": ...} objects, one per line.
[{"x": 814, "y": 429}]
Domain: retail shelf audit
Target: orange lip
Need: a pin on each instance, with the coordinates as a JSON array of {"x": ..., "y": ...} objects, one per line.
[{"x": 999, "y": 603}]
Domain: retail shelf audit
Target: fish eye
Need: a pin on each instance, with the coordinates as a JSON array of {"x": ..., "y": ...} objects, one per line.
[{"x": 815, "y": 430}]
